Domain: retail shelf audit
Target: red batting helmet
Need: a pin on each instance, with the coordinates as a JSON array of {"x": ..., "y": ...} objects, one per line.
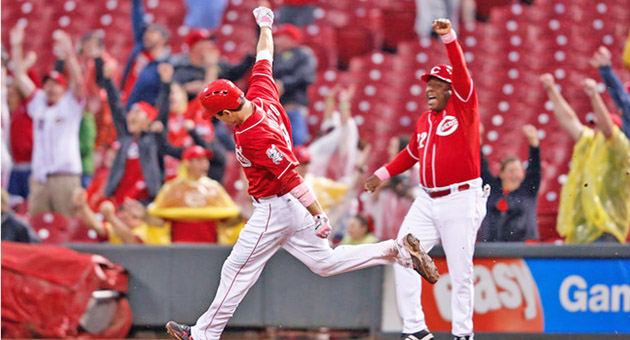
[
  {"x": 442, "y": 72},
  {"x": 220, "y": 95}
]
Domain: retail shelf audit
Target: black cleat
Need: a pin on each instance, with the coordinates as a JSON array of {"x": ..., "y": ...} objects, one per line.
[
  {"x": 178, "y": 331},
  {"x": 463, "y": 337},
  {"x": 422, "y": 335}
]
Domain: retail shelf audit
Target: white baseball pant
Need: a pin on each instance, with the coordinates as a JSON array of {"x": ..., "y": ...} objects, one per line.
[
  {"x": 454, "y": 219},
  {"x": 280, "y": 222}
]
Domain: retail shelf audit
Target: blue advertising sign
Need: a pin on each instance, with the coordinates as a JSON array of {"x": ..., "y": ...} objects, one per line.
[{"x": 583, "y": 295}]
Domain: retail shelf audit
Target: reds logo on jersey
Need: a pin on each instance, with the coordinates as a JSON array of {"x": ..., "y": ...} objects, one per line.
[
  {"x": 275, "y": 155},
  {"x": 447, "y": 126},
  {"x": 246, "y": 163}
]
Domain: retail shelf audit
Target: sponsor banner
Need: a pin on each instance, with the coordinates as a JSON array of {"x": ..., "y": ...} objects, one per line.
[
  {"x": 584, "y": 295},
  {"x": 538, "y": 295},
  {"x": 506, "y": 298}
]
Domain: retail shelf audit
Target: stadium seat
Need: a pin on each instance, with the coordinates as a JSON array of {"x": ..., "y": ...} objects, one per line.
[{"x": 54, "y": 228}]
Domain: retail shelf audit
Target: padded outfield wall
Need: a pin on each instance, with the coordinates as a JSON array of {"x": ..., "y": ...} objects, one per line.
[{"x": 520, "y": 289}]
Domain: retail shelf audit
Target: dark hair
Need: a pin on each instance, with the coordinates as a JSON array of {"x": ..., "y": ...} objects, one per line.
[
  {"x": 160, "y": 28},
  {"x": 93, "y": 35},
  {"x": 362, "y": 220},
  {"x": 220, "y": 113},
  {"x": 403, "y": 140},
  {"x": 508, "y": 160}
]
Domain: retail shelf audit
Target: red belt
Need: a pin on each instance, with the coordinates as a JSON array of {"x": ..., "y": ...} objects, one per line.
[{"x": 446, "y": 192}]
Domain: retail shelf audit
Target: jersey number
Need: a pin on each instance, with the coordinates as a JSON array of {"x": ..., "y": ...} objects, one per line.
[
  {"x": 275, "y": 117},
  {"x": 421, "y": 139}
]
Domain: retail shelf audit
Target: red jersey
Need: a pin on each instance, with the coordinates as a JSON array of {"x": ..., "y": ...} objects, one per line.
[
  {"x": 21, "y": 135},
  {"x": 446, "y": 143},
  {"x": 132, "y": 183},
  {"x": 263, "y": 141}
]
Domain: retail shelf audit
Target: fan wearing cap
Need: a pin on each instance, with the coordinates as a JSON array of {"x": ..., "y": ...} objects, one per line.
[
  {"x": 140, "y": 80},
  {"x": 451, "y": 204},
  {"x": 598, "y": 175},
  {"x": 294, "y": 71},
  {"x": 286, "y": 214},
  {"x": 202, "y": 63},
  {"x": 56, "y": 112},
  {"x": 137, "y": 169}
]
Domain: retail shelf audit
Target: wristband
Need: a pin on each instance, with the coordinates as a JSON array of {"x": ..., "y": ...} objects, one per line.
[
  {"x": 382, "y": 173},
  {"x": 304, "y": 194},
  {"x": 264, "y": 55},
  {"x": 449, "y": 37}
]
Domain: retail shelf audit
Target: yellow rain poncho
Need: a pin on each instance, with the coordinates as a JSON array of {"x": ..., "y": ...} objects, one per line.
[
  {"x": 596, "y": 197},
  {"x": 328, "y": 192},
  {"x": 626, "y": 52},
  {"x": 182, "y": 199}
]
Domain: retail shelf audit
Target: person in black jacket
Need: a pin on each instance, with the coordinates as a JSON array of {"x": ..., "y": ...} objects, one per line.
[
  {"x": 294, "y": 69},
  {"x": 14, "y": 229},
  {"x": 203, "y": 64},
  {"x": 217, "y": 148},
  {"x": 138, "y": 169},
  {"x": 513, "y": 199}
]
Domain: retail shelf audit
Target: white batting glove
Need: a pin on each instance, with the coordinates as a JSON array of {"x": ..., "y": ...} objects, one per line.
[
  {"x": 264, "y": 16},
  {"x": 322, "y": 227}
]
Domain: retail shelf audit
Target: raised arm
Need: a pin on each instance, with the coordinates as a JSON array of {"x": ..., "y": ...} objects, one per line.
[
  {"x": 103, "y": 79},
  {"x": 84, "y": 213},
  {"x": 122, "y": 230},
  {"x": 163, "y": 102},
  {"x": 401, "y": 163},
  {"x": 462, "y": 82},
  {"x": 24, "y": 83},
  {"x": 67, "y": 54},
  {"x": 563, "y": 112},
  {"x": 137, "y": 21},
  {"x": 602, "y": 60},
  {"x": 602, "y": 116},
  {"x": 264, "y": 19},
  {"x": 532, "y": 176},
  {"x": 261, "y": 81}
]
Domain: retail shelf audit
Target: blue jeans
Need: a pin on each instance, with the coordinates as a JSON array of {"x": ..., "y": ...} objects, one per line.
[
  {"x": 18, "y": 183},
  {"x": 298, "y": 127},
  {"x": 86, "y": 180}
]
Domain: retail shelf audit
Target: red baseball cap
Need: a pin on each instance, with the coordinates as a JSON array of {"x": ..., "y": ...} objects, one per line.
[
  {"x": 442, "y": 72},
  {"x": 195, "y": 152},
  {"x": 220, "y": 95},
  {"x": 60, "y": 78},
  {"x": 196, "y": 35},
  {"x": 148, "y": 109},
  {"x": 287, "y": 29},
  {"x": 302, "y": 154},
  {"x": 616, "y": 119}
]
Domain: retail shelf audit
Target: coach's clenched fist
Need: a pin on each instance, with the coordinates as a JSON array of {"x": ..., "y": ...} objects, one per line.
[
  {"x": 442, "y": 26},
  {"x": 371, "y": 183}
]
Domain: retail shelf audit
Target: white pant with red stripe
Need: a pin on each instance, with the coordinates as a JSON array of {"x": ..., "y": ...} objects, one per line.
[
  {"x": 281, "y": 222},
  {"x": 454, "y": 220}
]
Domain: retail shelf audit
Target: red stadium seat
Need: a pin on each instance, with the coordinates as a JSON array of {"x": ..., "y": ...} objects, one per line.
[{"x": 54, "y": 228}]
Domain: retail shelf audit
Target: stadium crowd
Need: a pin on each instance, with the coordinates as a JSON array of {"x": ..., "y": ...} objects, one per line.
[{"x": 121, "y": 147}]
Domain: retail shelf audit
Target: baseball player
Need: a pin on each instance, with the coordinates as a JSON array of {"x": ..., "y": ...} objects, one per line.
[
  {"x": 287, "y": 214},
  {"x": 452, "y": 204}
]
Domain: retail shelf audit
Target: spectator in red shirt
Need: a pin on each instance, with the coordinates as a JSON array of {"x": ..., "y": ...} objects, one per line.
[
  {"x": 137, "y": 171},
  {"x": 21, "y": 134}
]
